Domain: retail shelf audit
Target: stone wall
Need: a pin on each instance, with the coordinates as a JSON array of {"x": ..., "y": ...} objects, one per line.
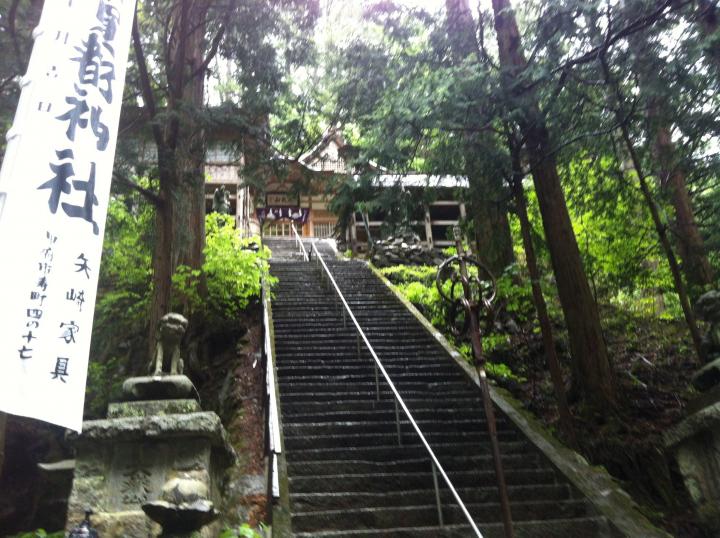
[{"x": 404, "y": 249}]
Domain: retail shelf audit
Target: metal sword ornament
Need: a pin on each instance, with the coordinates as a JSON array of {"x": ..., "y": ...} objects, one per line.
[{"x": 477, "y": 294}]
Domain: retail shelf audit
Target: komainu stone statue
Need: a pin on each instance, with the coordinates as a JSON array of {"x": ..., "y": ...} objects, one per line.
[
  {"x": 171, "y": 330},
  {"x": 221, "y": 201}
]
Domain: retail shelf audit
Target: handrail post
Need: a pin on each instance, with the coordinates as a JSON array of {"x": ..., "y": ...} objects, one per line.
[
  {"x": 397, "y": 424},
  {"x": 298, "y": 241},
  {"x": 437, "y": 495},
  {"x": 377, "y": 384}
]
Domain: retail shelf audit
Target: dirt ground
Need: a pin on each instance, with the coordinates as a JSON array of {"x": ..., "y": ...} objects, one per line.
[{"x": 653, "y": 362}]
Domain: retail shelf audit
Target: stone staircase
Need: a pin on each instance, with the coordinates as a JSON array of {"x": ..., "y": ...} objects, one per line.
[
  {"x": 286, "y": 249},
  {"x": 347, "y": 475}
]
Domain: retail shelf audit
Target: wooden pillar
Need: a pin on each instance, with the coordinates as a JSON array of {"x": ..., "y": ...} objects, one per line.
[
  {"x": 239, "y": 201},
  {"x": 353, "y": 233},
  {"x": 463, "y": 211},
  {"x": 428, "y": 227},
  {"x": 310, "y": 222}
]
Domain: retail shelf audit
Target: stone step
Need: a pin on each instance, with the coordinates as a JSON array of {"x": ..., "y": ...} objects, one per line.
[
  {"x": 379, "y": 482},
  {"x": 338, "y": 386},
  {"x": 349, "y": 333},
  {"x": 585, "y": 527},
  {"x": 292, "y": 409},
  {"x": 409, "y": 438},
  {"x": 449, "y": 463},
  {"x": 394, "y": 452},
  {"x": 399, "y": 377},
  {"x": 430, "y": 426},
  {"x": 424, "y": 515},
  {"x": 330, "y": 397},
  {"x": 426, "y": 368},
  {"x": 350, "y": 357},
  {"x": 422, "y": 414},
  {"x": 308, "y": 502},
  {"x": 350, "y": 348}
]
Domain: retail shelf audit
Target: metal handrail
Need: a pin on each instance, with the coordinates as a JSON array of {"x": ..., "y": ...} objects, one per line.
[
  {"x": 399, "y": 400},
  {"x": 298, "y": 240},
  {"x": 273, "y": 421}
]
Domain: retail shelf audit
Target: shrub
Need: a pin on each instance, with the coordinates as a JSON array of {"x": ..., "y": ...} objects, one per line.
[{"x": 232, "y": 272}]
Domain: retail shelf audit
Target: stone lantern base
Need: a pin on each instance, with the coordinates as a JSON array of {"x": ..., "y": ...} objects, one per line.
[{"x": 123, "y": 462}]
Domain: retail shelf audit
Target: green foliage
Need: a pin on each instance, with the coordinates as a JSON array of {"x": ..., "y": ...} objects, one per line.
[
  {"x": 119, "y": 329},
  {"x": 496, "y": 370},
  {"x": 126, "y": 268},
  {"x": 104, "y": 384},
  {"x": 244, "y": 531},
  {"x": 232, "y": 272},
  {"x": 514, "y": 293},
  {"x": 502, "y": 371},
  {"x": 399, "y": 274},
  {"x": 417, "y": 285},
  {"x": 39, "y": 533}
]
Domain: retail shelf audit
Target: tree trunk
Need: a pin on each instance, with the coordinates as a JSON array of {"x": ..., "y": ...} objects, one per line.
[
  {"x": 490, "y": 223},
  {"x": 618, "y": 100},
  {"x": 566, "y": 420},
  {"x": 665, "y": 243},
  {"x": 709, "y": 19},
  {"x": 669, "y": 171},
  {"x": 592, "y": 373},
  {"x": 698, "y": 272},
  {"x": 180, "y": 218}
]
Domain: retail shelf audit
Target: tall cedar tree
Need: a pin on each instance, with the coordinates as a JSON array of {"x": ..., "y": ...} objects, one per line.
[
  {"x": 617, "y": 105},
  {"x": 490, "y": 221},
  {"x": 708, "y": 16},
  {"x": 669, "y": 169},
  {"x": 592, "y": 372},
  {"x": 180, "y": 141}
]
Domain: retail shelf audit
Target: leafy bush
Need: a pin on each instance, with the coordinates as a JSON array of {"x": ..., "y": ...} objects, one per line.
[
  {"x": 230, "y": 275},
  {"x": 104, "y": 384},
  {"x": 401, "y": 274},
  {"x": 417, "y": 285},
  {"x": 231, "y": 272},
  {"x": 120, "y": 326},
  {"x": 243, "y": 531},
  {"x": 40, "y": 533},
  {"x": 495, "y": 370},
  {"x": 514, "y": 293}
]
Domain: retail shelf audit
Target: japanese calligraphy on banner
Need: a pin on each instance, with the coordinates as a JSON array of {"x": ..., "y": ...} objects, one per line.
[{"x": 54, "y": 189}]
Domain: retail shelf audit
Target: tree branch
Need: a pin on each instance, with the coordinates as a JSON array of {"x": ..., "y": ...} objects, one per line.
[
  {"x": 145, "y": 86},
  {"x": 149, "y": 195},
  {"x": 12, "y": 16},
  {"x": 211, "y": 53}
]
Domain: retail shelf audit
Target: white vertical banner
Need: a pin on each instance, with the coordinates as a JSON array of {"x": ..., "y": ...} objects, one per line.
[{"x": 54, "y": 190}]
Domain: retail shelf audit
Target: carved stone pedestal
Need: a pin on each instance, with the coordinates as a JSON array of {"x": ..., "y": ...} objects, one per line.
[
  {"x": 696, "y": 444},
  {"x": 124, "y": 461}
]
